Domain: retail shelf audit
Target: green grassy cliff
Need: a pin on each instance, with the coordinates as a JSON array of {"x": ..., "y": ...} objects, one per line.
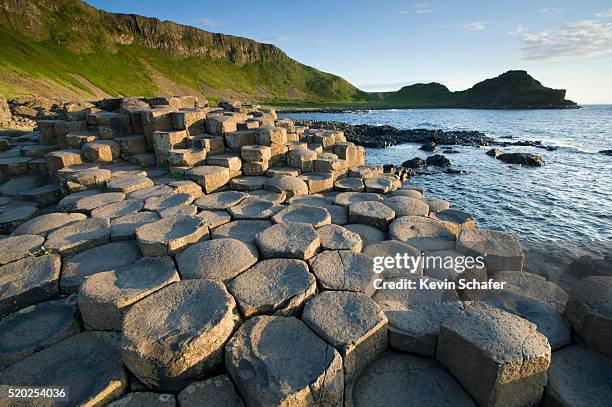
[{"x": 68, "y": 48}]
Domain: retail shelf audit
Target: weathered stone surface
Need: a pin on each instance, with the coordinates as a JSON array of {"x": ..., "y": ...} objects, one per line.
[
  {"x": 398, "y": 379},
  {"x": 501, "y": 251},
  {"x": 100, "y": 151},
  {"x": 243, "y": 230},
  {"x": 368, "y": 234},
  {"x": 215, "y": 218},
  {"x": 318, "y": 182},
  {"x": 76, "y": 237},
  {"x": 170, "y": 235},
  {"x": 36, "y": 327},
  {"x": 302, "y": 160},
  {"x": 349, "y": 185},
  {"x": 209, "y": 177},
  {"x": 273, "y": 287},
  {"x": 90, "y": 202},
  {"x": 335, "y": 237},
  {"x": 105, "y": 297},
  {"x": 124, "y": 227},
  {"x": 205, "y": 315},
  {"x": 128, "y": 183},
  {"x": 266, "y": 136},
  {"x": 407, "y": 206},
  {"x": 17, "y": 247},
  {"x": 217, "y": 259},
  {"x": 371, "y": 213},
  {"x": 254, "y": 209},
  {"x": 408, "y": 192},
  {"x": 265, "y": 195},
  {"x": 247, "y": 183},
  {"x": 437, "y": 205},
  {"x": 162, "y": 202},
  {"x": 317, "y": 200},
  {"x": 499, "y": 358},
  {"x": 533, "y": 285},
  {"x": 344, "y": 270},
  {"x": 288, "y": 240},
  {"x": 425, "y": 234},
  {"x": 311, "y": 215},
  {"x": 410, "y": 255},
  {"x": 89, "y": 364},
  {"x": 353, "y": 324},
  {"x": 186, "y": 187},
  {"x": 28, "y": 281},
  {"x": 217, "y": 391},
  {"x": 291, "y": 186},
  {"x": 11, "y": 218},
  {"x": 589, "y": 310},
  {"x": 149, "y": 192},
  {"x": 102, "y": 258},
  {"x": 551, "y": 323},
  {"x": 44, "y": 224},
  {"x": 183, "y": 210},
  {"x": 455, "y": 219},
  {"x": 145, "y": 399},
  {"x": 220, "y": 200},
  {"x": 416, "y": 314},
  {"x": 348, "y": 198},
  {"x": 282, "y": 171},
  {"x": 279, "y": 361},
  {"x": 578, "y": 376},
  {"x": 117, "y": 209},
  {"x": 252, "y": 153},
  {"x": 379, "y": 184}
]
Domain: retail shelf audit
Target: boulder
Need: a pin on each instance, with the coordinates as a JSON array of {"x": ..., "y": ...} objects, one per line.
[
  {"x": 202, "y": 312},
  {"x": 425, "y": 234},
  {"x": 105, "y": 297},
  {"x": 499, "y": 358},
  {"x": 310, "y": 215},
  {"x": 279, "y": 361},
  {"x": 371, "y": 213},
  {"x": 353, "y": 324},
  {"x": 501, "y": 251},
  {"x": 288, "y": 240},
  {"x": 291, "y": 186},
  {"x": 87, "y": 365},
  {"x": 589, "y": 310},
  {"x": 438, "y": 160},
  {"x": 494, "y": 152},
  {"x": 335, "y": 237},
  {"x": 530, "y": 160},
  {"x": 217, "y": 259},
  {"x": 455, "y": 220},
  {"x": 318, "y": 182},
  {"x": 89, "y": 262},
  {"x": 344, "y": 270},
  {"x": 414, "y": 163},
  {"x": 170, "y": 235},
  {"x": 100, "y": 151},
  {"x": 209, "y": 177},
  {"x": 217, "y": 391},
  {"x": 17, "y": 247},
  {"x": 578, "y": 376},
  {"x": 273, "y": 287},
  {"x": 437, "y": 205},
  {"x": 36, "y": 327},
  {"x": 397, "y": 379}
]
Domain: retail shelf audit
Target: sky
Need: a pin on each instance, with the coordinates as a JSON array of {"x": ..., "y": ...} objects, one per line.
[{"x": 386, "y": 44}]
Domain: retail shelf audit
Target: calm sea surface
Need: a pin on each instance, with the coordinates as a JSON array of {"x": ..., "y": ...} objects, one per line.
[{"x": 566, "y": 202}]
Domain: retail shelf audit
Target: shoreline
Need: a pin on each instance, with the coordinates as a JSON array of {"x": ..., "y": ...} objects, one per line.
[{"x": 347, "y": 109}]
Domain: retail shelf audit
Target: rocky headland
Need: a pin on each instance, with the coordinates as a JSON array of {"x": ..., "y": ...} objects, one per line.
[{"x": 161, "y": 251}]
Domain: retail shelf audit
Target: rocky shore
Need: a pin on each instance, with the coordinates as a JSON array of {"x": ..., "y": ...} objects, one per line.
[{"x": 166, "y": 252}]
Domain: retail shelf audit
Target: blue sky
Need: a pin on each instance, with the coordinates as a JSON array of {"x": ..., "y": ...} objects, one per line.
[{"x": 385, "y": 44}]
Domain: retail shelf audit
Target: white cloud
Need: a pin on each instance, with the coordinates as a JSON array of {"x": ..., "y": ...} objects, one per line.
[
  {"x": 552, "y": 10},
  {"x": 579, "y": 39},
  {"x": 418, "y": 8},
  {"x": 277, "y": 38},
  {"x": 476, "y": 25},
  {"x": 205, "y": 21},
  {"x": 605, "y": 14}
]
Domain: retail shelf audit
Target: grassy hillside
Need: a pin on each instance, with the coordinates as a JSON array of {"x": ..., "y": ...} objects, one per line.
[{"x": 70, "y": 49}]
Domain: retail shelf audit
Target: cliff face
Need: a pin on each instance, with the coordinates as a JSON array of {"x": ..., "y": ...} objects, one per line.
[
  {"x": 56, "y": 34},
  {"x": 512, "y": 89}
]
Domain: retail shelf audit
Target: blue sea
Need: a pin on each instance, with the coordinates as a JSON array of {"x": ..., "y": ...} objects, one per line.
[{"x": 565, "y": 204}]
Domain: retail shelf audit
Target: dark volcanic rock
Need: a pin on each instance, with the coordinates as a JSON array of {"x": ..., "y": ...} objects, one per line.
[
  {"x": 606, "y": 152},
  {"x": 416, "y": 162},
  {"x": 386, "y": 136},
  {"x": 429, "y": 146},
  {"x": 438, "y": 160},
  {"x": 494, "y": 152},
  {"x": 531, "y": 160}
]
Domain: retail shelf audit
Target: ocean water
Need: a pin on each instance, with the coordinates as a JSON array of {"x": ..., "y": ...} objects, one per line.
[{"x": 567, "y": 204}]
